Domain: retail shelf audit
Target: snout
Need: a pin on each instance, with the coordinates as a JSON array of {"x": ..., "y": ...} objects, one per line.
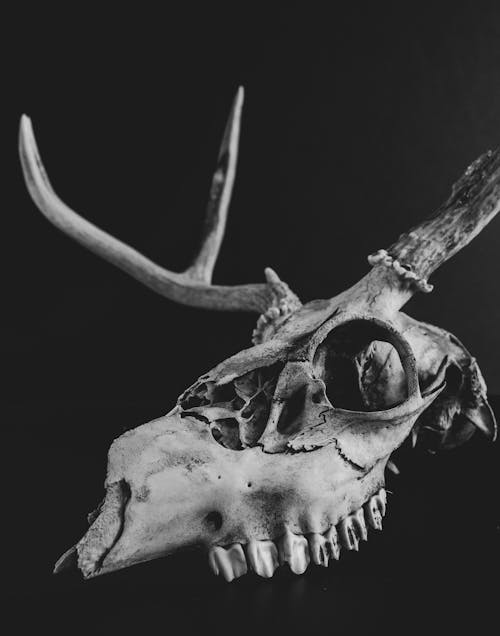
[{"x": 91, "y": 551}]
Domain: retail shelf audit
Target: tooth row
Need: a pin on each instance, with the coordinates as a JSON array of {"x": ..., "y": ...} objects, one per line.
[{"x": 264, "y": 557}]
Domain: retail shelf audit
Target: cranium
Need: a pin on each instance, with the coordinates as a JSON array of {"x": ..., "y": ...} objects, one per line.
[{"x": 277, "y": 455}]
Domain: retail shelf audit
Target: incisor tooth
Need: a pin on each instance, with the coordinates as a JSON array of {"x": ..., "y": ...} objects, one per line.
[
  {"x": 332, "y": 543},
  {"x": 293, "y": 549},
  {"x": 229, "y": 562},
  {"x": 318, "y": 549},
  {"x": 263, "y": 557},
  {"x": 347, "y": 533}
]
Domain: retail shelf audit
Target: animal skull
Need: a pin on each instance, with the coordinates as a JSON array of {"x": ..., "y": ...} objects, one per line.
[{"x": 277, "y": 455}]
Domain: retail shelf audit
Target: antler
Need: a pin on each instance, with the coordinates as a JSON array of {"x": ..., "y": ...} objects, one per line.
[
  {"x": 474, "y": 201},
  {"x": 192, "y": 287}
]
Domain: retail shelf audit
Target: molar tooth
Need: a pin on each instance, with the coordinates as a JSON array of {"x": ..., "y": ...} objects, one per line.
[
  {"x": 318, "y": 549},
  {"x": 373, "y": 515},
  {"x": 347, "y": 533},
  {"x": 383, "y": 494},
  {"x": 293, "y": 549},
  {"x": 214, "y": 560},
  {"x": 382, "y": 501},
  {"x": 332, "y": 543},
  {"x": 359, "y": 523},
  {"x": 230, "y": 562},
  {"x": 263, "y": 557},
  {"x": 237, "y": 559}
]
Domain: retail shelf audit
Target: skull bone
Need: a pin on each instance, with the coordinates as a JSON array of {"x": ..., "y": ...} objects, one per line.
[{"x": 273, "y": 440}]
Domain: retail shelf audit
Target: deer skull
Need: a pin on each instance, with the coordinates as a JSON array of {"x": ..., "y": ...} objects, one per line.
[{"x": 277, "y": 455}]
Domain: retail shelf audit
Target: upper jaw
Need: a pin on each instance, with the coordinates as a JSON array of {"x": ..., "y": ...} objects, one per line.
[
  {"x": 93, "y": 556},
  {"x": 91, "y": 552},
  {"x": 264, "y": 556}
]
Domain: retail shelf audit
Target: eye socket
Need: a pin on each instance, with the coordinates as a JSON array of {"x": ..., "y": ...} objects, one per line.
[
  {"x": 214, "y": 520},
  {"x": 338, "y": 358}
]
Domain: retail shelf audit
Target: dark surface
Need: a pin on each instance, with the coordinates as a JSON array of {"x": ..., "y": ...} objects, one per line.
[
  {"x": 434, "y": 567},
  {"x": 356, "y": 123}
]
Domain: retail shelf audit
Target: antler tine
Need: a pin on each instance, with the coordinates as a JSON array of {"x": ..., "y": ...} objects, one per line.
[
  {"x": 191, "y": 287},
  {"x": 220, "y": 195}
]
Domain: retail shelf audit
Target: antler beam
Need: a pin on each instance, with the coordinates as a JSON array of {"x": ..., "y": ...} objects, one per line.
[
  {"x": 474, "y": 201},
  {"x": 192, "y": 287}
]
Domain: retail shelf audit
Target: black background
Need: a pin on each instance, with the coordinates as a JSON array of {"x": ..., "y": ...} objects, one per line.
[{"x": 357, "y": 121}]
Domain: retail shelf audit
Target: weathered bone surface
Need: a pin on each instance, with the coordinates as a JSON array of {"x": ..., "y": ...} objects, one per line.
[{"x": 277, "y": 455}]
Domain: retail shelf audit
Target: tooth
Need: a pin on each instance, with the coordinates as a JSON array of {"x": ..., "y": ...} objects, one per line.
[
  {"x": 293, "y": 549},
  {"x": 359, "y": 523},
  {"x": 375, "y": 509},
  {"x": 213, "y": 562},
  {"x": 230, "y": 562},
  {"x": 263, "y": 557},
  {"x": 347, "y": 533},
  {"x": 237, "y": 559},
  {"x": 373, "y": 515},
  {"x": 332, "y": 543},
  {"x": 382, "y": 501},
  {"x": 318, "y": 549}
]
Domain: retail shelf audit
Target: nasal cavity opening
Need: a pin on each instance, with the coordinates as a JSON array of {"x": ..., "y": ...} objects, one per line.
[{"x": 346, "y": 356}]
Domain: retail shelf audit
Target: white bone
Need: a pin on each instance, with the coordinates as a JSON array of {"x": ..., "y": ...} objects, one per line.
[{"x": 192, "y": 287}]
